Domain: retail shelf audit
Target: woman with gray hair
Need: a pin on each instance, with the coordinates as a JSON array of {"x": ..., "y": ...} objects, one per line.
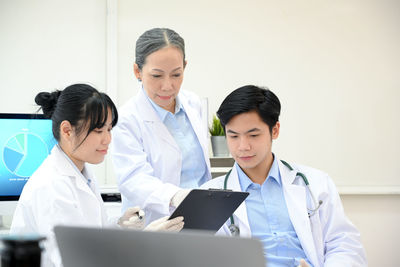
[{"x": 160, "y": 148}]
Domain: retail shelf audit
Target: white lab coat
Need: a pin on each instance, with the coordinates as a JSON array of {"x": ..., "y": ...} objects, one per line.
[
  {"x": 57, "y": 194},
  {"x": 328, "y": 237},
  {"x": 147, "y": 160}
]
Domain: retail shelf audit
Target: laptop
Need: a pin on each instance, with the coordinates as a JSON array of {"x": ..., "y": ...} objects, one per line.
[{"x": 99, "y": 247}]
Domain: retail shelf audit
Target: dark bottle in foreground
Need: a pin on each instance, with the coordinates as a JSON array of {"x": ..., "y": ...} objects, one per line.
[{"x": 21, "y": 251}]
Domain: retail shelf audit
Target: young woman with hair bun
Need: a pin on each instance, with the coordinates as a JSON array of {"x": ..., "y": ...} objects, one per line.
[{"x": 63, "y": 190}]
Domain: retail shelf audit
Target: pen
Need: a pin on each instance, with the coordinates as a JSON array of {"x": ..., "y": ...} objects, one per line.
[{"x": 139, "y": 214}]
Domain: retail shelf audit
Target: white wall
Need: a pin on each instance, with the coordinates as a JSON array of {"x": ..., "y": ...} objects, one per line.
[
  {"x": 47, "y": 45},
  {"x": 377, "y": 218},
  {"x": 333, "y": 64}
]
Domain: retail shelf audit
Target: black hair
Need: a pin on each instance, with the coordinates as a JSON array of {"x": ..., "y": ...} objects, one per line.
[
  {"x": 80, "y": 104},
  {"x": 154, "y": 40},
  {"x": 251, "y": 98}
]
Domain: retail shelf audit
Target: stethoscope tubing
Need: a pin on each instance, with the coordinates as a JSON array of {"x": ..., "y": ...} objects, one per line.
[{"x": 235, "y": 229}]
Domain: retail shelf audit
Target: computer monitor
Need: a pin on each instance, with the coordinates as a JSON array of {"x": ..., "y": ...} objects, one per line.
[{"x": 25, "y": 141}]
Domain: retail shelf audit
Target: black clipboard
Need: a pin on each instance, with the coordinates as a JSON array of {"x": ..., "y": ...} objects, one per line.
[{"x": 208, "y": 209}]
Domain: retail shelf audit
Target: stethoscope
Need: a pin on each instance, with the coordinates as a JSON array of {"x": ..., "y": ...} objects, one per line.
[{"x": 234, "y": 229}]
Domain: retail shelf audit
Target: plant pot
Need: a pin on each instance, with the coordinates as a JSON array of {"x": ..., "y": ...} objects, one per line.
[{"x": 219, "y": 146}]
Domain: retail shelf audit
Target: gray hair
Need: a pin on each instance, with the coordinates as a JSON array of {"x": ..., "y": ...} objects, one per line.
[{"x": 154, "y": 40}]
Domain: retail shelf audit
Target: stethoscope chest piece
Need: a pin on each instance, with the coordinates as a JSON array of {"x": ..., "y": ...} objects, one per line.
[{"x": 234, "y": 230}]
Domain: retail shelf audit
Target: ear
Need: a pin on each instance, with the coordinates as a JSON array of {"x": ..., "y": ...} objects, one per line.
[
  {"x": 137, "y": 72},
  {"x": 275, "y": 130},
  {"x": 184, "y": 64},
  {"x": 66, "y": 130}
]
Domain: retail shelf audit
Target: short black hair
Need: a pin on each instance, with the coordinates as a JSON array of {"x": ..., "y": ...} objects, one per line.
[
  {"x": 251, "y": 98},
  {"x": 80, "y": 104}
]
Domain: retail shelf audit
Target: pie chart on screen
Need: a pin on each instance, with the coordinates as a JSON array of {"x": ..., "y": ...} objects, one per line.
[{"x": 23, "y": 153}]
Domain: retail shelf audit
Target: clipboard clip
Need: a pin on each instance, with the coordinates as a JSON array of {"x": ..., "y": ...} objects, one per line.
[
  {"x": 228, "y": 191},
  {"x": 218, "y": 189}
]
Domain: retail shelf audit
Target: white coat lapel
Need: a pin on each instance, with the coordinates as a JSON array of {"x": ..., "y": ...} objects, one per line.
[
  {"x": 64, "y": 167},
  {"x": 96, "y": 191},
  {"x": 61, "y": 163},
  {"x": 196, "y": 123},
  {"x": 296, "y": 199},
  {"x": 152, "y": 121},
  {"x": 92, "y": 206},
  {"x": 240, "y": 215},
  {"x": 194, "y": 119}
]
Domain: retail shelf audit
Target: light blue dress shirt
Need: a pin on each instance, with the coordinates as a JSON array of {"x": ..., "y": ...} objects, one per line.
[
  {"x": 194, "y": 167},
  {"x": 269, "y": 219}
]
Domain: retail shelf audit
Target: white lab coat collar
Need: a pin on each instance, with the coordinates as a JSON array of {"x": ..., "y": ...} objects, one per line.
[
  {"x": 151, "y": 118},
  {"x": 66, "y": 167},
  {"x": 143, "y": 103},
  {"x": 295, "y": 197}
]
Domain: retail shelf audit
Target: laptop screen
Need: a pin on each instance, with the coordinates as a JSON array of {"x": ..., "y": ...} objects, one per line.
[{"x": 25, "y": 141}]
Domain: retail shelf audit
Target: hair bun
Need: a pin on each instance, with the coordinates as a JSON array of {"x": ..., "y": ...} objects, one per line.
[{"x": 48, "y": 102}]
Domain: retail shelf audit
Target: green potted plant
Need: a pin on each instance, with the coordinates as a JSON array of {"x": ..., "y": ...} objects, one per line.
[{"x": 218, "y": 140}]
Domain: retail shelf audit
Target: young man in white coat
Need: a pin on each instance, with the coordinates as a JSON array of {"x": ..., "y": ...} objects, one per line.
[{"x": 298, "y": 224}]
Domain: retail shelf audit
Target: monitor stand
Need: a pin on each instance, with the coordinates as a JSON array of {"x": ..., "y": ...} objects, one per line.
[
  {"x": 4, "y": 227},
  {"x": 7, "y": 209}
]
